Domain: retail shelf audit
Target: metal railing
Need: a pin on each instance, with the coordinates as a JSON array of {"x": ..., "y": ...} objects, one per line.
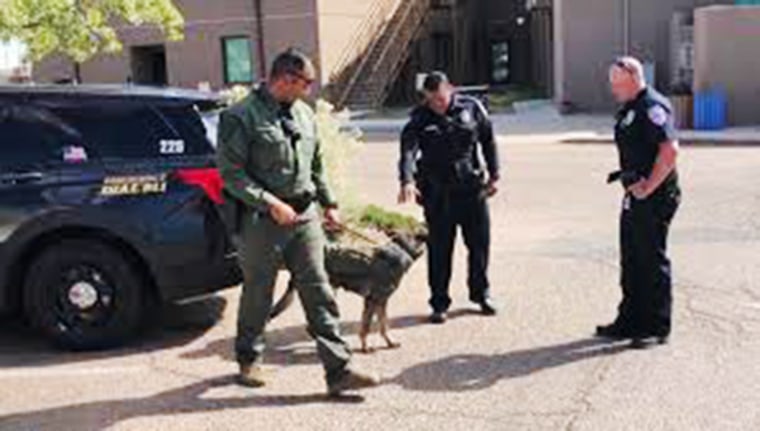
[
  {"x": 351, "y": 61},
  {"x": 397, "y": 47}
]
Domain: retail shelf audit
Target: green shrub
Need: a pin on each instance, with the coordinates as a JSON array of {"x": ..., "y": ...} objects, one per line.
[
  {"x": 339, "y": 146},
  {"x": 373, "y": 216}
]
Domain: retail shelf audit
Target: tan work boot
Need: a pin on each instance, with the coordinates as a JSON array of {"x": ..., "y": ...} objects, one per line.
[
  {"x": 352, "y": 380},
  {"x": 252, "y": 376}
]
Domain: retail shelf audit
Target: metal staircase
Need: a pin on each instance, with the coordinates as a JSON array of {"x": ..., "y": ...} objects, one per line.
[{"x": 365, "y": 82}]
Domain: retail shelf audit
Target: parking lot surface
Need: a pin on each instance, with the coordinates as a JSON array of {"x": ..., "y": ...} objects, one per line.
[{"x": 533, "y": 367}]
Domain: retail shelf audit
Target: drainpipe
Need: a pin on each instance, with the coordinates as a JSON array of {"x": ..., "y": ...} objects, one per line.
[
  {"x": 627, "y": 27},
  {"x": 260, "y": 39}
]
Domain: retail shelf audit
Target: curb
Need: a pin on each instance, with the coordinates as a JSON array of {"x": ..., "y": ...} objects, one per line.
[{"x": 687, "y": 142}]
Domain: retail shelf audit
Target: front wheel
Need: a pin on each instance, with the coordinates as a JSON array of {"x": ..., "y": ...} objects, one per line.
[{"x": 84, "y": 294}]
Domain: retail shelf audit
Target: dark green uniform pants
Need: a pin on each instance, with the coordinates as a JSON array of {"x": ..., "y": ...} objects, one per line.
[{"x": 264, "y": 247}]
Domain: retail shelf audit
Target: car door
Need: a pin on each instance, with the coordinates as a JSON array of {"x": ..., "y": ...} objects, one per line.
[{"x": 30, "y": 150}]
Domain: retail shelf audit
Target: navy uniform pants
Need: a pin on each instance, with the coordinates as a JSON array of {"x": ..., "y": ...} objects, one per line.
[
  {"x": 445, "y": 211},
  {"x": 646, "y": 270}
]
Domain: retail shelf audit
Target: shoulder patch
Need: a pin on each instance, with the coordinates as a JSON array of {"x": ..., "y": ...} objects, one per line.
[
  {"x": 658, "y": 115},
  {"x": 479, "y": 106}
]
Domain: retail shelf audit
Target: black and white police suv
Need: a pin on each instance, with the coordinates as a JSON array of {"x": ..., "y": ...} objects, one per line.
[{"x": 107, "y": 205}]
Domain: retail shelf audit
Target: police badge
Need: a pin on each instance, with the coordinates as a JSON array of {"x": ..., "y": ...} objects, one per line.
[
  {"x": 629, "y": 118},
  {"x": 465, "y": 117}
]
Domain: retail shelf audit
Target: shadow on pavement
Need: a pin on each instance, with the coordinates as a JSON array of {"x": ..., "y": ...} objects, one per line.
[
  {"x": 475, "y": 372},
  {"x": 172, "y": 325},
  {"x": 100, "y": 415},
  {"x": 292, "y": 345}
]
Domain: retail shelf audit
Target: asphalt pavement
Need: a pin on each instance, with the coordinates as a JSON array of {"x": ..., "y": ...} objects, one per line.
[{"x": 533, "y": 367}]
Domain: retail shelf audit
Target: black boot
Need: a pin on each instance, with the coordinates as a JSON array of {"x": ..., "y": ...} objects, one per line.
[
  {"x": 488, "y": 307},
  {"x": 438, "y": 317},
  {"x": 647, "y": 341},
  {"x": 614, "y": 331}
]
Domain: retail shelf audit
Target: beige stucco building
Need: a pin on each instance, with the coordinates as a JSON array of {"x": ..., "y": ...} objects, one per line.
[
  {"x": 223, "y": 45},
  {"x": 369, "y": 51},
  {"x": 589, "y": 34},
  {"x": 727, "y": 56},
  {"x": 233, "y": 41}
]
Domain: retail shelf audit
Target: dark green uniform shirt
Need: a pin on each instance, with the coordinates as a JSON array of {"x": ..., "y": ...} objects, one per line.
[{"x": 267, "y": 148}]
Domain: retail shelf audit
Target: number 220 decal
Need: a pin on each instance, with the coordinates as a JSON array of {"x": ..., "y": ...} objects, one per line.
[{"x": 172, "y": 146}]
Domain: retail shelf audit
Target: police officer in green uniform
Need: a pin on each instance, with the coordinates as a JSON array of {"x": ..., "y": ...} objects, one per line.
[
  {"x": 648, "y": 149},
  {"x": 270, "y": 160}
]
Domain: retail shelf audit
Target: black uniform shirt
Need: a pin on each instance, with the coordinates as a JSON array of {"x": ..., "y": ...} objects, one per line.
[
  {"x": 642, "y": 125},
  {"x": 433, "y": 143}
]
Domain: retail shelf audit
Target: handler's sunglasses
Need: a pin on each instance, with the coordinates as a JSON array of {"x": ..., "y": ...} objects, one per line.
[
  {"x": 302, "y": 77},
  {"x": 620, "y": 64}
]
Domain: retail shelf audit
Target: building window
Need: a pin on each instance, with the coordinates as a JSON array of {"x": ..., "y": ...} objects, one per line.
[
  {"x": 238, "y": 62},
  {"x": 500, "y": 72}
]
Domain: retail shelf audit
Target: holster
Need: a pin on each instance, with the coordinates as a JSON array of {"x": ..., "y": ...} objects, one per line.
[
  {"x": 628, "y": 178},
  {"x": 462, "y": 179}
]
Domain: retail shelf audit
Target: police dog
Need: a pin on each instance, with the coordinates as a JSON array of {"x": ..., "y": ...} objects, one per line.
[{"x": 375, "y": 276}]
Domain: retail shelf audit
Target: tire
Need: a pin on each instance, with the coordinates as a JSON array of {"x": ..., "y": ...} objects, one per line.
[{"x": 84, "y": 295}]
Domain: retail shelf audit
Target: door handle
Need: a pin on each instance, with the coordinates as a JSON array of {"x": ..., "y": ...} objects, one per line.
[{"x": 21, "y": 178}]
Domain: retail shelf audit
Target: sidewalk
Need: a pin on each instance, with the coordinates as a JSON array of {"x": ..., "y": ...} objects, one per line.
[{"x": 540, "y": 122}]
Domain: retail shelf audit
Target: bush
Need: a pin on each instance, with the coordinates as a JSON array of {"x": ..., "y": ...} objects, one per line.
[
  {"x": 234, "y": 94},
  {"x": 373, "y": 216},
  {"x": 339, "y": 145}
]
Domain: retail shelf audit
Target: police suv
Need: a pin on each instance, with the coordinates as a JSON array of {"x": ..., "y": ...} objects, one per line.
[{"x": 107, "y": 205}]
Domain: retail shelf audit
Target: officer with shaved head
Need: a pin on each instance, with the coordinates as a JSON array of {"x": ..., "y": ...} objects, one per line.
[{"x": 648, "y": 149}]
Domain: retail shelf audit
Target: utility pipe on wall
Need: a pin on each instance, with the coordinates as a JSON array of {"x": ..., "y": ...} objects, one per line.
[
  {"x": 627, "y": 27},
  {"x": 260, "y": 39}
]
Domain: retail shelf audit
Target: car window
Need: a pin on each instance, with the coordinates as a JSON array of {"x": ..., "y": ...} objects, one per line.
[
  {"x": 131, "y": 131},
  {"x": 211, "y": 122},
  {"x": 188, "y": 123},
  {"x": 32, "y": 137}
]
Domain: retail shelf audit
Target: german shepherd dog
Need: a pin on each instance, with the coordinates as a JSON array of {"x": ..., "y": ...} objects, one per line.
[{"x": 375, "y": 276}]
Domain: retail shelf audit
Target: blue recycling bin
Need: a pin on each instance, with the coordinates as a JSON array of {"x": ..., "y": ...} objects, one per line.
[{"x": 710, "y": 110}]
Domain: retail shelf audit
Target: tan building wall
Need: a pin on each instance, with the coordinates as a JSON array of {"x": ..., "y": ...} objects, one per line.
[
  {"x": 199, "y": 58},
  {"x": 339, "y": 24},
  {"x": 727, "y": 55},
  {"x": 290, "y": 23},
  {"x": 590, "y": 33}
]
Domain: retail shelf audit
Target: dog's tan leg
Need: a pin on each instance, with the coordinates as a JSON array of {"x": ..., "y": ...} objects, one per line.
[
  {"x": 383, "y": 317},
  {"x": 366, "y": 325}
]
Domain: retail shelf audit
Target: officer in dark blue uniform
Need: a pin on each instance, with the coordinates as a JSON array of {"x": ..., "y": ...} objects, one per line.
[
  {"x": 441, "y": 168},
  {"x": 648, "y": 149}
]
